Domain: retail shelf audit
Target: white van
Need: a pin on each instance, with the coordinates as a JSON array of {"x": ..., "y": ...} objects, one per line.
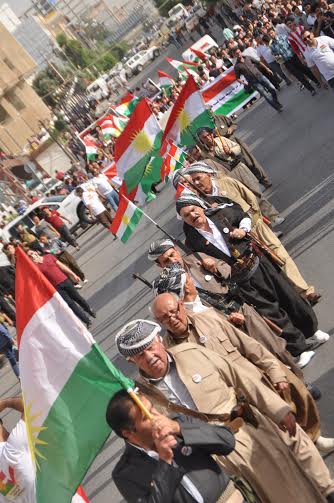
[
  {"x": 98, "y": 89},
  {"x": 69, "y": 206},
  {"x": 178, "y": 12},
  {"x": 204, "y": 44}
]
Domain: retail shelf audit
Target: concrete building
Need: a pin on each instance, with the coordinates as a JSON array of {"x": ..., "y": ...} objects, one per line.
[{"x": 21, "y": 108}]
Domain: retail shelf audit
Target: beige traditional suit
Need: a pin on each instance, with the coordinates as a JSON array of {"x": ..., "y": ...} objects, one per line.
[
  {"x": 239, "y": 193},
  {"x": 279, "y": 468},
  {"x": 212, "y": 330}
]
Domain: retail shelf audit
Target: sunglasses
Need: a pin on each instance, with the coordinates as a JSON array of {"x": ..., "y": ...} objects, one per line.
[{"x": 307, "y": 37}]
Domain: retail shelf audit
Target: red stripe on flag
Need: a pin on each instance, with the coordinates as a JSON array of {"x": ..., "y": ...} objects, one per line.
[
  {"x": 198, "y": 53},
  {"x": 217, "y": 87},
  {"x": 189, "y": 88},
  {"x": 123, "y": 204},
  {"x": 32, "y": 289},
  {"x": 82, "y": 494},
  {"x": 127, "y": 98},
  {"x": 163, "y": 74},
  {"x": 136, "y": 123},
  {"x": 111, "y": 171}
]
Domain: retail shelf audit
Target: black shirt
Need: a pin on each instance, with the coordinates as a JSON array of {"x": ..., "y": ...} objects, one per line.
[{"x": 248, "y": 69}]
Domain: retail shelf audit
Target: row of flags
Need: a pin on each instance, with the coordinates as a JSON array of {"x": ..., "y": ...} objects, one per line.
[{"x": 66, "y": 379}]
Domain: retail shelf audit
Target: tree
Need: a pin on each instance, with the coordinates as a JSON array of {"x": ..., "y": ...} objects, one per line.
[{"x": 46, "y": 84}]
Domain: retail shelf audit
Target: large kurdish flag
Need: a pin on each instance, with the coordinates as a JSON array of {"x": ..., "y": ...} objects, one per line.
[
  {"x": 225, "y": 95},
  {"x": 140, "y": 140},
  {"x": 66, "y": 382},
  {"x": 126, "y": 219},
  {"x": 188, "y": 114}
]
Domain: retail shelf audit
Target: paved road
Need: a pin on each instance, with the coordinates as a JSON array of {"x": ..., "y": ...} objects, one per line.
[{"x": 297, "y": 148}]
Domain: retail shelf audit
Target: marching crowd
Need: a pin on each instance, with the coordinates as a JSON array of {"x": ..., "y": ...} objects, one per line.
[{"x": 230, "y": 418}]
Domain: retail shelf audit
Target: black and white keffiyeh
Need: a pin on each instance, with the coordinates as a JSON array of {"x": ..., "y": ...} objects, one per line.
[
  {"x": 172, "y": 279},
  {"x": 136, "y": 336}
]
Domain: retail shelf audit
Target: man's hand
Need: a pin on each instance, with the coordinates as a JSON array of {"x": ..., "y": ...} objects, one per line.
[
  {"x": 237, "y": 319},
  {"x": 282, "y": 386},
  {"x": 164, "y": 431},
  {"x": 210, "y": 265},
  {"x": 288, "y": 424},
  {"x": 75, "y": 278},
  {"x": 238, "y": 234}
]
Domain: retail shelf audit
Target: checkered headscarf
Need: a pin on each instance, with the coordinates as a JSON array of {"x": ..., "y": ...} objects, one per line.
[
  {"x": 189, "y": 200},
  {"x": 172, "y": 279},
  {"x": 136, "y": 336},
  {"x": 159, "y": 247}
]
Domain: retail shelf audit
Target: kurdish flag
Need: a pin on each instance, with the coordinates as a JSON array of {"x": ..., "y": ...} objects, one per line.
[
  {"x": 140, "y": 140},
  {"x": 126, "y": 219},
  {"x": 199, "y": 55},
  {"x": 225, "y": 95},
  {"x": 165, "y": 81},
  {"x": 188, "y": 114},
  {"x": 181, "y": 66},
  {"x": 127, "y": 105},
  {"x": 111, "y": 125},
  {"x": 173, "y": 160},
  {"x": 91, "y": 147},
  {"x": 66, "y": 381}
]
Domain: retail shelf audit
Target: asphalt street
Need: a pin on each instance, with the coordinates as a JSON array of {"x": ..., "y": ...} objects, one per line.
[{"x": 297, "y": 148}]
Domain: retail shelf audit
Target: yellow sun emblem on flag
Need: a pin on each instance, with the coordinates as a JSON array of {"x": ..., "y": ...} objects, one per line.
[
  {"x": 33, "y": 432},
  {"x": 125, "y": 220},
  {"x": 142, "y": 142},
  {"x": 184, "y": 119}
]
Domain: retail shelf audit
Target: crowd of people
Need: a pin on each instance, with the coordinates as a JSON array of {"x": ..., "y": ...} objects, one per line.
[{"x": 229, "y": 417}]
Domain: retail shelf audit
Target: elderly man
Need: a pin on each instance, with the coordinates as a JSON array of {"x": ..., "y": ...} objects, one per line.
[
  {"x": 263, "y": 284},
  {"x": 187, "y": 319},
  {"x": 212, "y": 183},
  {"x": 173, "y": 453},
  {"x": 230, "y": 155},
  {"x": 278, "y": 459}
]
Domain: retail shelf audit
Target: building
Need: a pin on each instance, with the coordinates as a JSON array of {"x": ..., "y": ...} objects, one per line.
[
  {"x": 31, "y": 34},
  {"x": 21, "y": 109}
]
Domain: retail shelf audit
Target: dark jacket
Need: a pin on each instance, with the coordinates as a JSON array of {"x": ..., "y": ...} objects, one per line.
[
  {"x": 225, "y": 220},
  {"x": 142, "y": 479}
]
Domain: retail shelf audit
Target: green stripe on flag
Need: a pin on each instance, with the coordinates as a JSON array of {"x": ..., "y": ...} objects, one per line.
[
  {"x": 73, "y": 429},
  {"x": 133, "y": 176},
  {"x": 233, "y": 103},
  {"x": 132, "y": 225},
  {"x": 188, "y": 135}
]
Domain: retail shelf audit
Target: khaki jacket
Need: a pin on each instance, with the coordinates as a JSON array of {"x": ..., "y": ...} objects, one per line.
[
  {"x": 212, "y": 379},
  {"x": 239, "y": 193},
  {"x": 206, "y": 280},
  {"x": 211, "y": 329}
]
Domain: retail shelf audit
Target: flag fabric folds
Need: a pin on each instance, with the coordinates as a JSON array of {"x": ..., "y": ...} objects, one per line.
[
  {"x": 188, "y": 114},
  {"x": 225, "y": 95},
  {"x": 173, "y": 160},
  {"x": 166, "y": 82},
  {"x": 127, "y": 218},
  {"x": 66, "y": 381},
  {"x": 140, "y": 140},
  {"x": 91, "y": 147}
]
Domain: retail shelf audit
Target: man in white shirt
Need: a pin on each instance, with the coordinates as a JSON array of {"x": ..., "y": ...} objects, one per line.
[
  {"x": 267, "y": 57},
  {"x": 320, "y": 54},
  {"x": 104, "y": 188},
  {"x": 92, "y": 201}
]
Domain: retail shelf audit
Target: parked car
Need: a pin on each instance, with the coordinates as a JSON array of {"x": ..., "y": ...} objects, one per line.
[
  {"x": 69, "y": 206},
  {"x": 177, "y": 12},
  {"x": 204, "y": 44},
  {"x": 98, "y": 89},
  {"x": 134, "y": 65}
]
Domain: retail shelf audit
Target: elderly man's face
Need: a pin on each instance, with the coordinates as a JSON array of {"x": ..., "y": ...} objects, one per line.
[
  {"x": 171, "y": 314},
  {"x": 153, "y": 361},
  {"x": 194, "y": 216},
  {"x": 203, "y": 181},
  {"x": 170, "y": 257},
  {"x": 207, "y": 138}
]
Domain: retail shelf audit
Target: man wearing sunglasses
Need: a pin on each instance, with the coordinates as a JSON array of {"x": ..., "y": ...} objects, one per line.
[{"x": 320, "y": 54}]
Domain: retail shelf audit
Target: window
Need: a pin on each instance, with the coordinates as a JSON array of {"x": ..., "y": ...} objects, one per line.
[
  {"x": 9, "y": 63},
  {"x": 4, "y": 116},
  {"x": 14, "y": 100}
]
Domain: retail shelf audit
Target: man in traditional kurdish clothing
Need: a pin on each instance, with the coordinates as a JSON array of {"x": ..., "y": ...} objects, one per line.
[
  {"x": 228, "y": 128},
  {"x": 193, "y": 321},
  {"x": 208, "y": 181},
  {"x": 277, "y": 458},
  {"x": 229, "y": 154},
  {"x": 261, "y": 282}
]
